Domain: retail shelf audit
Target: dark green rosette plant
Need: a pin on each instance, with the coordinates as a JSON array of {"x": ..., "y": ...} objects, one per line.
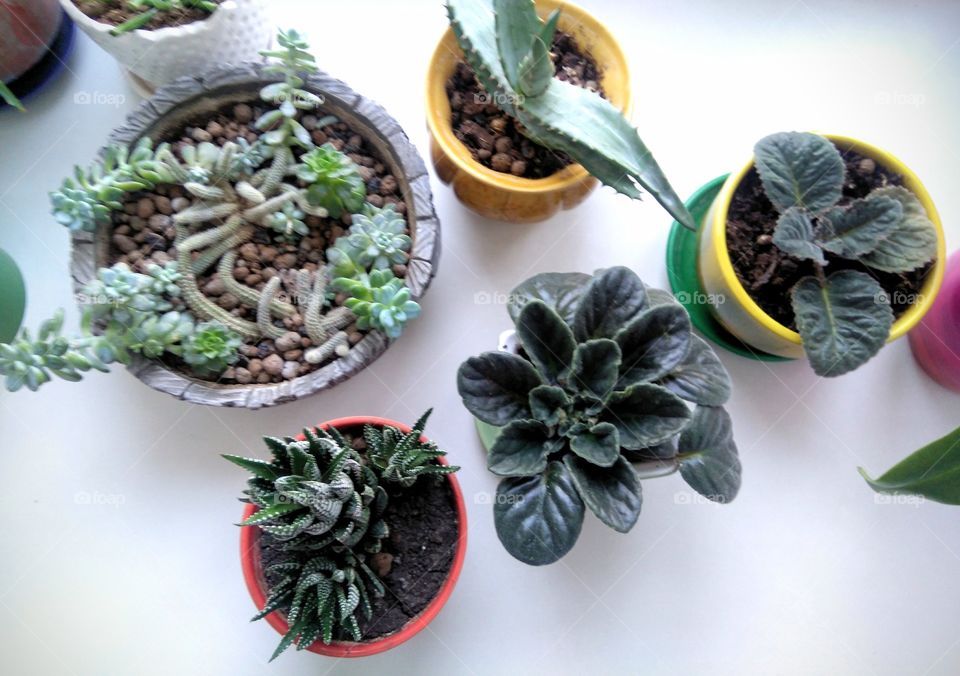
[{"x": 596, "y": 399}]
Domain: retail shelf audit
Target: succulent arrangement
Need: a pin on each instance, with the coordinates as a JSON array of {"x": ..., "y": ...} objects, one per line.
[
  {"x": 843, "y": 318},
  {"x": 507, "y": 45},
  {"x": 148, "y": 9},
  {"x": 237, "y": 189},
  {"x": 594, "y": 401},
  {"x": 323, "y": 503}
]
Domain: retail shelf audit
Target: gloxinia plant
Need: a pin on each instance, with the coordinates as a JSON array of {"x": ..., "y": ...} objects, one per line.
[
  {"x": 596, "y": 399},
  {"x": 508, "y": 47},
  {"x": 844, "y": 317}
]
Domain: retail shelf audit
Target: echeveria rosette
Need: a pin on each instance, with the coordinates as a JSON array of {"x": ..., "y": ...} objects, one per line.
[
  {"x": 333, "y": 181},
  {"x": 378, "y": 240},
  {"x": 288, "y": 224},
  {"x": 211, "y": 348},
  {"x": 380, "y": 301},
  {"x": 602, "y": 382},
  {"x": 844, "y": 317}
]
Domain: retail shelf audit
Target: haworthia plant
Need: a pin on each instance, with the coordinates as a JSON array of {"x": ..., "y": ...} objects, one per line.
[
  {"x": 595, "y": 400},
  {"x": 324, "y": 504},
  {"x": 932, "y": 472},
  {"x": 508, "y": 46},
  {"x": 843, "y": 318}
]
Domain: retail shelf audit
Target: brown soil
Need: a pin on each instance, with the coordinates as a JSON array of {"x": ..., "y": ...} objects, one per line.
[
  {"x": 144, "y": 233},
  {"x": 116, "y": 12},
  {"x": 769, "y": 274},
  {"x": 495, "y": 140},
  {"x": 415, "y": 560}
]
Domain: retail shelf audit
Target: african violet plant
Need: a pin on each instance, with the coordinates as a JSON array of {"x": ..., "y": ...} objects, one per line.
[
  {"x": 237, "y": 189},
  {"x": 508, "y": 47},
  {"x": 843, "y": 318},
  {"x": 323, "y": 503},
  {"x": 594, "y": 401}
]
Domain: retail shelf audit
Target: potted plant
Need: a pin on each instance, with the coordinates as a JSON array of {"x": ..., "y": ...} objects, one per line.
[
  {"x": 12, "y": 297},
  {"x": 592, "y": 401},
  {"x": 822, "y": 246},
  {"x": 158, "y": 41},
  {"x": 354, "y": 535},
  {"x": 526, "y": 113},
  {"x": 935, "y": 341},
  {"x": 271, "y": 245},
  {"x": 34, "y": 39}
]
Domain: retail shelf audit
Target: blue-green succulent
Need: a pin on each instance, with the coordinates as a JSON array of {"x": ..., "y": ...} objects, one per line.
[
  {"x": 211, "y": 348},
  {"x": 380, "y": 301},
  {"x": 287, "y": 224}
]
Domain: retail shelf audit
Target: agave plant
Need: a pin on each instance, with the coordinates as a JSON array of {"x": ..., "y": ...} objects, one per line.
[
  {"x": 597, "y": 399},
  {"x": 324, "y": 503},
  {"x": 508, "y": 46}
]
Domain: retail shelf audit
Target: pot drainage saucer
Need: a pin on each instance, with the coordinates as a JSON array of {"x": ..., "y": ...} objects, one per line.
[
  {"x": 685, "y": 282},
  {"x": 487, "y": 433},
  {"x": 47, "y": 68}
]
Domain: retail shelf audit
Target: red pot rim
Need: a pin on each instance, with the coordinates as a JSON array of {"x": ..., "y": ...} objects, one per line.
[{"x": 253, "y": 572}]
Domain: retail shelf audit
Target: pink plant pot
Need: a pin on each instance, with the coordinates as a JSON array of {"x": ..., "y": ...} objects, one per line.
[
  {"x": 27, "y": 27},
  {"x": 936, "y": 339}
]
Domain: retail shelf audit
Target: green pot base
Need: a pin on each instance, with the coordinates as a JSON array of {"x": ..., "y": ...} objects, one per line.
[{"x": 685, "y": 281}]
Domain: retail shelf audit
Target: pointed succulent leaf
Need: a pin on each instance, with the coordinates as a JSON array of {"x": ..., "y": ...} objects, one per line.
[
  {"x": 546, "y": 338},
  {"x": 653, "y": 344},
  {"x": 933, "y": 472},
  {"x": 709, "y": 462},
  {"x": 800, "y": 169},
  {"x": 843, "y": 322},
  {"x": 549, "y": 28},
  {"x": 259, "y": 468},
  {"x": 548, "y": 404},
  {"x": 560, "y": 290},
  {"x": 474, "y": 25},
  {"x": 536, "y": 69},
  {"x": 521, "y": 449},
  {"x": 596, "y": 364},
  {"x": 912, "y": 243},
  {"x": 612, "y": 299},
  {"x": 646, "y": 415},
  {"x": 794, "y": 236},
  {"x": 600, "y": 445},
  {"x": 701, "y": 377},
  {"x": 612, "y": 493},
  {"x": 858, "y": 228},
  {"x": 495, "y": 387},
  {"x": 517, "y": 24},
  {"x": 272, "y": 512},
  {"x": 538, "y": 519}
]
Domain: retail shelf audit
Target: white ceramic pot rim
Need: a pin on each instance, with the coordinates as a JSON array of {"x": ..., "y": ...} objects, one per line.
[{"x": 143, "y": 34}]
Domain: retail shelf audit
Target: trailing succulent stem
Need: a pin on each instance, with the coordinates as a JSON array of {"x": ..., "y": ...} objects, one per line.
[
  {"x": 324, "y": 503},
  {"x": 606, "y": 370},
  {"x": 507, "y": 45},
  {"x": 844, "y": 318}
]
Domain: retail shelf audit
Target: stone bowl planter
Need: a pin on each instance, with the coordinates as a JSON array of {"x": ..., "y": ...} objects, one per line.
[
  {"x": 235, "y": 32},
  {"x": 192, "y": 97}
]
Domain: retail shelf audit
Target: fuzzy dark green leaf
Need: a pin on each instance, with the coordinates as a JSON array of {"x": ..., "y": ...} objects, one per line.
[
  {"x": 600, "y": 445},
  {"x": 857, "y": 229},
  {"x": 495, "y": 386},
  {"x": 700, "y": 377},
  {"x": 844, "y": 324},
  {"x": 653, "y": 344},
  {"x": 646, "y": 415},
  {"x": 521, "y": 449},
  {"x": 709, "y": 461},
  {"x": 560, "y": 290},
  {"x": 612, "y": 493},
  {"x": 538, "y": 519},
  {"x": 596, "y": 364},
  {"x": 933, "y": 472},
  {"x": 546, "y": 338},
  {"x": 800, "y": 169},
  {"x": 794, "y": 235},
  {"x": 548, "y": 404},
  {"x": 913, "y": 241},
  {"x": 613, "y": 298}
]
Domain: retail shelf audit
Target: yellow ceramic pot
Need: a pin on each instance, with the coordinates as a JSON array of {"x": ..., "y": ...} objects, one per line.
[
  {"x": 503, "y": 196},
  {"x": 741, "y": 315}
]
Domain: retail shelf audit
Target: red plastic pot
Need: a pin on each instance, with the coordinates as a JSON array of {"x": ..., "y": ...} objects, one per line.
[{"x": 257, "y": 586}]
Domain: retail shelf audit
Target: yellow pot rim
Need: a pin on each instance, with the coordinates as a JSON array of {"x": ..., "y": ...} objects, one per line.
[
  {"x": 442, "y": 131},
  {"x": 931, "y": 284}
]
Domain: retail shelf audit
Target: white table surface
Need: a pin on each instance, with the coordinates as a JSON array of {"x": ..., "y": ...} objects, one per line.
[{"x": 119, "y": 553}]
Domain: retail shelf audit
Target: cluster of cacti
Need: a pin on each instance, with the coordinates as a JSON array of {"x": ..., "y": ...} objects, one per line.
[
  {"x": 843, "y": 318},
  {"x": 323, "y": 502},
  {"x": 153, "y": 8},
  {"x": 508, "y": 47}
]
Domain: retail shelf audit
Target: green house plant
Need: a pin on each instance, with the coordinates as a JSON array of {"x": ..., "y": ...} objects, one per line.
[
  {"x": 339, "y": 522},
  {"x": 932, "y": 472},
  {"x": 529, "y": 111},
  {"x": 594, "y": 401}
]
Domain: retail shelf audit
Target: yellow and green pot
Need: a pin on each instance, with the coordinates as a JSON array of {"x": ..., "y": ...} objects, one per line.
[
  {"x": 505, "y": 197},
  {"x": 742, "y": 316}
]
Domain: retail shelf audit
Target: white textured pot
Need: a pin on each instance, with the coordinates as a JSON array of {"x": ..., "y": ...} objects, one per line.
[
  {"x": 234, "y": 33},
  {"x": 27, "y": 27}
]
